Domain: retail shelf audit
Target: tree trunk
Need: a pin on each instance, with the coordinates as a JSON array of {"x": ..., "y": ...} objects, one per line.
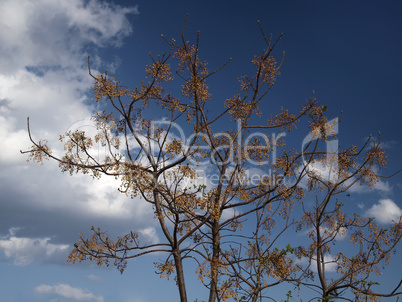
[
  {"x": 180, "y": 276},
  {"x": 215, "y": 262}
]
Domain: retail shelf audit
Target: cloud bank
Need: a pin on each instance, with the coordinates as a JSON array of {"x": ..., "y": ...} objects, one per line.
[{"x": 44, "y": 46}]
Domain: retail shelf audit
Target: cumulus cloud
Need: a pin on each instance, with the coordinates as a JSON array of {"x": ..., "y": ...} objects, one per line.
[
  {"x": 104, "y": 200},
  {"x": 24, "y": 251},
  {"x": 68, "y": 292},
  {"x": 150, "y": 235},
  {"x": 44, "y": 47},
  {"x": 385, "y": 211},
  {"x": 54, "y": 32},
  {"x": 329, "y": 261}
]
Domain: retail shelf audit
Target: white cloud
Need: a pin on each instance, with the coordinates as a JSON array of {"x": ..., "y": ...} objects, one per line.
[
  {"x": 68, "y": 292},
  {"x": 53, "y": 102},
  {"x": 44, "y": 46},
  {"x": 381, "y": 186},
  {"x": 328, "y": 234},
  {"x": 228, "y": 214},
  {"x": 94, "y": 277},
  {"x": 13, "y": 231},
  {"x": 385, "y": 211},
  {"x": 43, "y": 66},
  {"x": 326, "y": 172},
  {"x": 330, "y": 264},
  {"x": 390, "y": 144},
  {"x": 26, "y": 250},
  {"x": 104, "y": 200},
  {"x": 77, "y": 196},
  {"x": 329, "y": 261},
  {"x": 150, "y": 235},
  {"x": 54, "y": 32}
]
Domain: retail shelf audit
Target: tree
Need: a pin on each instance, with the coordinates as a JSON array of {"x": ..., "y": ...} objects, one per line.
[
  {"x": 326, "y": 222},
  {"x": 241, "y": 255}
]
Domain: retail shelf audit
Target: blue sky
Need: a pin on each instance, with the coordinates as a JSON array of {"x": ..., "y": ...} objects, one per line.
[{"x": 347, "y": 52}]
